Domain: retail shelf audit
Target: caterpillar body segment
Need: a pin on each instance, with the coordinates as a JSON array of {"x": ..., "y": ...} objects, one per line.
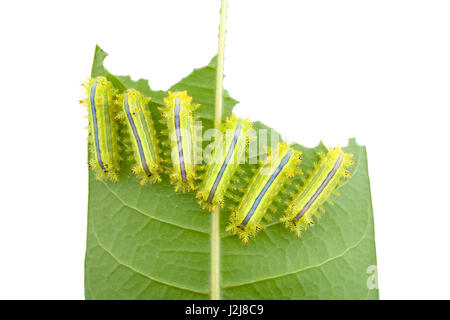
[
  {"x": 263, "y": 190},
  {"x": 328, "y": 174},
  {"x": 135, "y": 113},
  {"x": 227, "y": 156},
  {"x": 178, "y": 114},
  {"x": 103, "y": 130}
]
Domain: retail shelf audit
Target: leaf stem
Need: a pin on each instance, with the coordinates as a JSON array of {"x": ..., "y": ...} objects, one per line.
[{"x": 215, "y": 219}]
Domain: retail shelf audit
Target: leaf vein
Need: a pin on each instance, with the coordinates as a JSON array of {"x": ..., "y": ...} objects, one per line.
[
  {"x": 357, "y": 243},
  {"x": 148, "y": 215},
  {"x": 140, "y": 272}
]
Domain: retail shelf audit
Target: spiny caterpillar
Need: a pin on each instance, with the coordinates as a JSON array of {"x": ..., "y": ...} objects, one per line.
[
  {"x": 179, "y": 118},
  {"x": 262, "y": 190},
  {"x": 142, "y": 135},
  {"x": 224, "y": 163},
  {"x": 103, "y": 130},
  {"x": 321, "y": 184}
]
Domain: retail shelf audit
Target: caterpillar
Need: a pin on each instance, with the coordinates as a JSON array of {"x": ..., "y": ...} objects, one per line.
[
  {"x": 318, "y": 188},
  {"x": 225, "y": 161},
  {"x": 262, "y": 190},
  {"x": 103, "y": 130},
  {"x": 142, "y": 135},
  {"x": 178, "y": 114}
]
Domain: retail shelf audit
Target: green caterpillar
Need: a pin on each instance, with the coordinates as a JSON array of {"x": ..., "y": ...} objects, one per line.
[
  {"x": 225, "y": 161},
  {"x": 178, "y": 114},
  {"x": 103, "y": 130},
  {"x": 142, "y": 134},
  {"x": 262, "y": 190},
  {"x": 321, "y": 184}
]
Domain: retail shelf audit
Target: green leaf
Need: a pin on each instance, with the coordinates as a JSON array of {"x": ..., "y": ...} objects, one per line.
[{"x": 148, "y": 242}]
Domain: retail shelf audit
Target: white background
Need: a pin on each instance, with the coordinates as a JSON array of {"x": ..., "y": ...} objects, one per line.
[{"x": 315, "y": 70}]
